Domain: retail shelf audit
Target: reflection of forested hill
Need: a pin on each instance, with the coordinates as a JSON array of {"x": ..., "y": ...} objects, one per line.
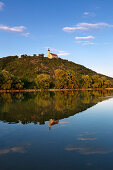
[{"x": 43, "y": 106}]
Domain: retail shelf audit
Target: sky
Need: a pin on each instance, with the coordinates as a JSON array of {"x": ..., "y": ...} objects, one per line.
[{"x": 77, "y": 30}]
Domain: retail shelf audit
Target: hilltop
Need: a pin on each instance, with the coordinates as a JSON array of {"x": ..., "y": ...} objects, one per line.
[{"x": 28, "y": 67}]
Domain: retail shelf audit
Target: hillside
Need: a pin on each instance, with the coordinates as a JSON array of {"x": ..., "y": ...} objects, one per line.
[{"x": 30, "y": 66}]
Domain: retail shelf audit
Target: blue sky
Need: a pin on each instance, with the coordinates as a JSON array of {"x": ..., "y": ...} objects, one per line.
[{"x": 77, "y": 30}]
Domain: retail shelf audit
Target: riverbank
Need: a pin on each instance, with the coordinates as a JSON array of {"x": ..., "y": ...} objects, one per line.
[{"x": 38, "y": 90}]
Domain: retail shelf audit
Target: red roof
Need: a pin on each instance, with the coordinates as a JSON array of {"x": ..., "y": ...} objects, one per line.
[{"x": 54, "y": 54}]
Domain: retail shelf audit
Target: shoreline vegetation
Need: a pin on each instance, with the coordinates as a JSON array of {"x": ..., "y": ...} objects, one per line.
[
  {"x": 53, "y": 90},
  {"x": 61, "y": 81}
]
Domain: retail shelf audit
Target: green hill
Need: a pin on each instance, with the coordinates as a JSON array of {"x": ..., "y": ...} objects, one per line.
[
  {"x": 41, "y": 72},
  {"x": 30, "y": 66}
]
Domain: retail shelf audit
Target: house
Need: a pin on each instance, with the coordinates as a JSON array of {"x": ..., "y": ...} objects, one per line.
[{"x": 51, "y": 55}]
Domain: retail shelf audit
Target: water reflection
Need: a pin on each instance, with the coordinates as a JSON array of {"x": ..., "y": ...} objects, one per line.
[
  {"x": 89, "y": 149},
  {"x": 83, "y": 141},
  {"x": 52, "y": 122},
  {"x": 15, "y": 149},
  {"x": 47, "y": 106}
]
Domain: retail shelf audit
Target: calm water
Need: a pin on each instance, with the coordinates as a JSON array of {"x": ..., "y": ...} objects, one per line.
[{"x": 56, "y": 131}]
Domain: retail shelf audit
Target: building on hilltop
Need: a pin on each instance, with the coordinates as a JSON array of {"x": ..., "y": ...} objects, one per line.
[{"x": 51, "y": 55}]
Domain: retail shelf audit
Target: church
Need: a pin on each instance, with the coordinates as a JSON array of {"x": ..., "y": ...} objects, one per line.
[{"x": 51, "y": 55}]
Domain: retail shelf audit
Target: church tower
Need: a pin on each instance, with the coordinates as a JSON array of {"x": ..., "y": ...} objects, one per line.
[{"x": 48, "y": 53}]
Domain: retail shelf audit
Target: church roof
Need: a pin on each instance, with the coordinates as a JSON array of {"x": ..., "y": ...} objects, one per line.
[{"x": 54, "y": 54}]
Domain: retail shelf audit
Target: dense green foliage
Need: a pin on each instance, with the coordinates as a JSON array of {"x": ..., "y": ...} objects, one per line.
[
  {"x": 65, "y": 79},
  {"x": 41, "y": 72},
  {"x": 8, "y": 81},
  {"x": 43, "y": 81},
  {"x": 95, "y": 82}
]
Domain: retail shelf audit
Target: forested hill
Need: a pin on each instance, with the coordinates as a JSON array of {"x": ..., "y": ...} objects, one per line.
[
  {"x": 31, "y": 66},
  {"x": 39, "y": 72}
]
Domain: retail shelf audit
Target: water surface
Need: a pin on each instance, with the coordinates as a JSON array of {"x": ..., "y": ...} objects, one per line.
[{"x": 56, "y": 131}]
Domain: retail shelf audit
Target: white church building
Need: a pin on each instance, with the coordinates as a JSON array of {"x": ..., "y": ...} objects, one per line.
[{"x": 51, "y": 55}]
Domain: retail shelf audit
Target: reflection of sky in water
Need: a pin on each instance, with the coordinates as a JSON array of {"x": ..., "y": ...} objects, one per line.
[
  {"x": 90, "y": 145},
  {"x": 15, "y": 149},
  {"x": 80, "y": 141}
]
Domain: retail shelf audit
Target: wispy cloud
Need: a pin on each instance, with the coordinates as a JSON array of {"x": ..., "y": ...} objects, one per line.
[
  {"x": 89, "y": 14},
  {"x": 86, "y": 13},
  {"x": 26, "y": 34},
  {"x": 73, "y": 29},
  {"x": 85, "y": 40},
  {"x": 1, "y": 6},
  {"x": 18, "y": 29},
  {"x": 12, "y": 29},
  {"x": 59, "y": 52},
  {"x": 90, "y": 37},
  {"x": 63, "y": 53},
  {"x": 87, "y": 26}
]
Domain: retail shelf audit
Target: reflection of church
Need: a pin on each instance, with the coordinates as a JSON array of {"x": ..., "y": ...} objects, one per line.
[{"x": 52, "y": 122}]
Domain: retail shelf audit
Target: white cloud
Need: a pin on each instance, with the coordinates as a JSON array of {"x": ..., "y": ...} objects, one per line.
[
  {"x": 1, "y": 6},
  {"x": 73, "y": 29},
  {"x": 19, "y": 29},
  {"x": 94, "y": 26},
  {"x": 85, "y": 42},
  {"x": 26, "y": 34},
  {"x": 86, "y": 26},
  {"x": 12, "y": 29},
  {"x": 86, "y": 13},
  {"x": 90, "y": 37},
  {"x": 63, "y": 53},
  {"x": 89, "y": 14}
]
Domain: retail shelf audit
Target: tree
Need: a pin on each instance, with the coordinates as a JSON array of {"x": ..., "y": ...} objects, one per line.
[
  {"x": 5, "y": 80},
  {"x": 17, "y": 83},
  {"x": 86, "y": 81},
  {"x": 28, "y": 84},
  {"x": 9, "y": 81},
  {"x": 65, "y": 79},
  {"x": 71, "y": 80},
  {"x": 107, "y": 84},
  {"x": 95, "y": 81},
  {"x": 43, "y": 81},
  {"x": 60, "y": 79}
]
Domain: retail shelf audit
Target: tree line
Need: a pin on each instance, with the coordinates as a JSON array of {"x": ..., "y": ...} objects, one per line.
[
  {"x": 68, "y": 80},
  {"x": 61, "y": 80}
]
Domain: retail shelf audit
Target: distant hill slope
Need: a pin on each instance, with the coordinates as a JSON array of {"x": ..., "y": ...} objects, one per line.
[{"x": 30, "y": 66}]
